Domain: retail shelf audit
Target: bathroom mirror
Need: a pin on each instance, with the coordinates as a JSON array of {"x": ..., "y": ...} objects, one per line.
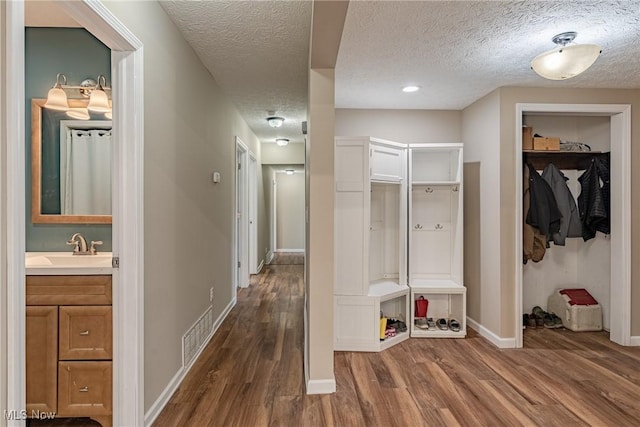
[{"x": 70, "y": 165}]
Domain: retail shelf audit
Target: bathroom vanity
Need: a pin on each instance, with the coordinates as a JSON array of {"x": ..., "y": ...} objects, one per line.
[{"x": 69, "y": 335}]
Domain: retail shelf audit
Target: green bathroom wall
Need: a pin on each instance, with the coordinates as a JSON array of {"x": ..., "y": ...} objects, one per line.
[{"x": 78, "y": 55}]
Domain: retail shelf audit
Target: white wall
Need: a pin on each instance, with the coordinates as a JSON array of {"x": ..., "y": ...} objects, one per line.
[
  {"x": 190, "y": 131},
  {"x": 408, "y": 126},
  {"x": 272, "y": 154},
  {"x": 578, "y": 264},
  {"x": 290, "y": 211},
  {"x": 481, "y": 138}
]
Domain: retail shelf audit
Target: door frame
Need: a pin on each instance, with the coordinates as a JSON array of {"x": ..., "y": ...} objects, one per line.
[
  {"x": 620, "y": 287},
  {"x": 241, "y": 224},
  {"x": 254, "y": 267},
  {"x": 127, "y": 226}
]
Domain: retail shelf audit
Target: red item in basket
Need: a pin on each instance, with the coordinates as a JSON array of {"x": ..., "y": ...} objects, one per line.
[
  {"x": 421, "y": 307},
  {"x": 579, "y": 297}
]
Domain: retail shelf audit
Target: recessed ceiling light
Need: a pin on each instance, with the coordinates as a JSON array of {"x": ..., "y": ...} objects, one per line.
[{"x": 410, "y": 89}]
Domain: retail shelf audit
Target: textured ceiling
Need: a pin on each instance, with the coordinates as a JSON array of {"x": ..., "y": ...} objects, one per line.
[
  {"x": 458, "y": 51},
  {"x": 258, "y": 53}
]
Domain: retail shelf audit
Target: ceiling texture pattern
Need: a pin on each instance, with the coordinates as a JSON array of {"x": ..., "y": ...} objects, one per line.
[
  {"x": 258, "y": 53},
  {"x": 457, "y": 51}
]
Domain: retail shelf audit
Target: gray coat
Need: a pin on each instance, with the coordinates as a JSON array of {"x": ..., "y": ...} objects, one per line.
[{"x": 570, "y": 224}]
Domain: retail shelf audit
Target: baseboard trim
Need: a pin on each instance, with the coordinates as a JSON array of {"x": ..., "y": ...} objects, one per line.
[
  {"x": 321, "y": 386},
  {"x": 634, "y": 341},
  {"x": 290, "y": 250},
  {"x": 177, "y": 379},
  {"x": 269, "y": 257},
  {"x": 490, "y": 336}
]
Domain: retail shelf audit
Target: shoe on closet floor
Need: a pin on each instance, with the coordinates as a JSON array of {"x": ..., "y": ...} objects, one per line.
[{"x": 454, "y": 325}]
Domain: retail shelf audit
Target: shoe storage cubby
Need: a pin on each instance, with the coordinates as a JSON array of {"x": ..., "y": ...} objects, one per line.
[
  {"x": 398, "y": 231},
  {"x": 443, "y": 303}
]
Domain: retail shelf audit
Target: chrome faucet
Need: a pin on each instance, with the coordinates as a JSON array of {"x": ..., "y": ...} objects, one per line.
[{"x": 79, "y": 244}]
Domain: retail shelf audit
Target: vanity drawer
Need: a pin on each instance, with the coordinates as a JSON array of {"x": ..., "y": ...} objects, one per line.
[
  {"x": 68, "y": 290},
  {"x": 84, "y": 389},
  {"x": 85, "y": 332}
]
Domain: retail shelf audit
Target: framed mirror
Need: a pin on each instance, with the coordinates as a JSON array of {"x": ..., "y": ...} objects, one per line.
[{"x": 70, "y": 165}]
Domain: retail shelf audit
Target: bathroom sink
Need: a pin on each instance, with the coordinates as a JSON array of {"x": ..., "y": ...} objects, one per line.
[{"x": 66, "y": 260}]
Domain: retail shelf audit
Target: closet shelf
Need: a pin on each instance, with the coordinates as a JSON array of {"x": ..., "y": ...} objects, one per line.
[
  {"x": 561, "y": 159},
  {"x": 434, "y": 183}
]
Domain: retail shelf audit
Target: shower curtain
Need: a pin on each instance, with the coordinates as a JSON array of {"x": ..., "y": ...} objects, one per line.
[{"x": 85, "y": 182}]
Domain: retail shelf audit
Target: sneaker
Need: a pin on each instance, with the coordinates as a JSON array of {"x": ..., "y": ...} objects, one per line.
[
  {"x": 431, "y": 324},
  {"x": 532, "y": 321},
  {"x": 548, "y": 321},
  {"x": 557, "y": 320}
]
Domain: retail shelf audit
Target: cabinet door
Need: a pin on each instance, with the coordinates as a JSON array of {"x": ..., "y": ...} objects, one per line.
[
  {"x": 85, "y": 332},
  {"x": 41, "y": 358},
  {"x": 386, "y": 163},
  {"x": 84, "y": 389}
]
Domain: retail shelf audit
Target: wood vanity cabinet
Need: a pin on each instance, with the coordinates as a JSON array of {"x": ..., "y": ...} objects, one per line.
[{"x": 69, "y": 346}]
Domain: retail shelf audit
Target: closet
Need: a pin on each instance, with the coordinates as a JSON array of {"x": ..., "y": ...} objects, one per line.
[{"x": 579, "y": 263}]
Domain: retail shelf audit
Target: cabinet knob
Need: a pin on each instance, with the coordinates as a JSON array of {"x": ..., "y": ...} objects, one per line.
[
  {"x": 428, "y": 190},
  {"x": 438, "y": 227},
  {"x": 84, "y": 389},
  {"x": 418, "y": 227},
  {"x": 84, "y": 332}
]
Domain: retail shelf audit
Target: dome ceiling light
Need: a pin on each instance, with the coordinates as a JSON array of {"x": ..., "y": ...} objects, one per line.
[
  {"x": 275, "y": 121},
  {"x": 567, "y": 59},
  {"x": 282, "y": 142}
]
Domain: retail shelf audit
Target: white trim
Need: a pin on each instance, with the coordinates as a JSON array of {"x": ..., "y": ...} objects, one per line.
[
  {"x": 177, "y": 379},
  {"x": 269, "y": 257},
  {"x": 15, "y": 208},
  {"x": 321, "y": 386},
  {"x": 252, "y": 177},
  {"x": 290, "y": 250},
  {"x": 620, "y": 288},
  {"x": 635, "y": 340},
  {"x": 490, "y": 336},
  {"x": 260, "y": 266},
  {"x": 241, "y": 275}
]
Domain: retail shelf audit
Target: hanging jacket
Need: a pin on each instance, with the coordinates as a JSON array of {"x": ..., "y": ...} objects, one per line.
[
  {"x": 543, "y": 213},
  {"x": 570, "y": 224},
  {"x": 593, "y": 201},
  {"x": 534, "y": 243}
]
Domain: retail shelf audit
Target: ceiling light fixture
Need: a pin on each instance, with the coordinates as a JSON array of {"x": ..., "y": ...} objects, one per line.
[
  {"x": 282, "y": 142},
  {"x": 289, "y": 171},
  {"x": 409, "y": 89},
  {"x": 275, "y": 121},
  {"x": 567, "y": 59}
]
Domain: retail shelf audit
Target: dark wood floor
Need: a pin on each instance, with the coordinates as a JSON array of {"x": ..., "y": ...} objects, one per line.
[{"x": 251, "y": 374}]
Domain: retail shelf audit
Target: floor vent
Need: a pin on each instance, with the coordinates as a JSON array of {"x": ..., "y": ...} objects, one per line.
[{"x": 196, "y": 337}]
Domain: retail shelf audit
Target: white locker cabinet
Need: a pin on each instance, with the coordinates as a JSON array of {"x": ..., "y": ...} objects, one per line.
[
  {"x": 370, "y": 241},
  {"x": 435, "y": 234}
]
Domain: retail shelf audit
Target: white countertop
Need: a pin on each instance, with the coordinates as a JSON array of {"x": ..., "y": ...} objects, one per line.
[{"x": 65, "y": 263}]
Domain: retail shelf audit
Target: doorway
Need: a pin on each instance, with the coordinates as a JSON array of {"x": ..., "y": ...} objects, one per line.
[
  {"x": 619, "y": 294},
  {"x": 128, "y": 101},
  {"x": 246, "y": 224},
  {"x": 288, "y": 218}
]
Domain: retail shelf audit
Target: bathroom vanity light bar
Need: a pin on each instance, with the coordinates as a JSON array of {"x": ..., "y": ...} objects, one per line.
[{"x": 88, "y": 88}]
